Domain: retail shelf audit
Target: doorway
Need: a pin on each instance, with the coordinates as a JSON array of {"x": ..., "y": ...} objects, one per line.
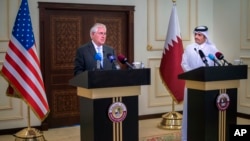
[{"x": 63, "y": 28}]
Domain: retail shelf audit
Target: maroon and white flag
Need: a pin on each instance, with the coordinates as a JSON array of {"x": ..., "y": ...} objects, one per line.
[{"x": 170, "y": 66}]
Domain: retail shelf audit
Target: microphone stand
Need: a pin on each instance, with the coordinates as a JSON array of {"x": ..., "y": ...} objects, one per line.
[{"x": 224, "y": 63}]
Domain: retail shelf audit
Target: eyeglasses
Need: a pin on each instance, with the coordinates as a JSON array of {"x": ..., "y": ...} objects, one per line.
[{"x": 101, "y": 33}]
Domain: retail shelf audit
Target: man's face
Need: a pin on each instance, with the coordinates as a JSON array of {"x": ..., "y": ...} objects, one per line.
[
  {"x": 99, "y": 37},
  {"x": 199, "y": 38}
]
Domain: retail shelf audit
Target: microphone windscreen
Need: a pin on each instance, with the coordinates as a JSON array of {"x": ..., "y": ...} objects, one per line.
[
  {"x": 211, "y": 57},
  {"x": 122, "y": 59},
  {"x": 98, "y": 56},
  {"x": 110, "y": 57},
  {"x": 219, "y": 55},
  {"x": 201, "y": 54}
]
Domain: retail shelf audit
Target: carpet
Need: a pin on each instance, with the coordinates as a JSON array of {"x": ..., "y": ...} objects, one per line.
[{"x": 176, "y": 136}]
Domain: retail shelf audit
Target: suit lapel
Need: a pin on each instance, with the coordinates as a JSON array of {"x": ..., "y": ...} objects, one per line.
[
  {"x": 92, "y": 49},
  {"x": 105, "y": 59}
]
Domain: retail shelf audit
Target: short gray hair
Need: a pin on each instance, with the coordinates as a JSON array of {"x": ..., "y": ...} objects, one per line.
[{"x": 95, "y": 27}]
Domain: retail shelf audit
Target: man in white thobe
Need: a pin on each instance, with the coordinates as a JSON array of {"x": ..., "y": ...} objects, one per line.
[{"x": 192, "y": 59}]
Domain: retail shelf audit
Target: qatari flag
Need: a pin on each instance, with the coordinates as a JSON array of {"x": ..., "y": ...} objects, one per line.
[{"x": 170, "y": 66}]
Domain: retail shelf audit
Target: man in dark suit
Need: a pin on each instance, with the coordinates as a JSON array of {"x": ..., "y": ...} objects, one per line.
[{"x": 86, "y": 55}]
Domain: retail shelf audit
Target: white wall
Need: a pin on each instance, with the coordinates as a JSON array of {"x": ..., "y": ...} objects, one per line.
[
  {"x": 228, "y": 29},
  {"x": 231, "y": 34}
]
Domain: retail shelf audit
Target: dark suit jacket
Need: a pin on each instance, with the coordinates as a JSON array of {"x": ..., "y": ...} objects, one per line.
[{"x": 85, "y": 58}]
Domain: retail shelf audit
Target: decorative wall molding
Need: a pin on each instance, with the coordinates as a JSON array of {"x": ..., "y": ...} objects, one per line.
[
  {"x": 5, "y": 20},
  {"x": 5, "y": 103},
  {"x": 10, "y": 108},
  {"x": 244, "y": 90},
  {"x": 248, "y": 19},
  {"x": 14, "y": 112},
  {"x": 246, "y": 60},
  {"x": 8, "y": 10},
  {"x": 157, "y": 93},
  {"x": 245, "y": 26},
  {"x": 158, "y": 21}
]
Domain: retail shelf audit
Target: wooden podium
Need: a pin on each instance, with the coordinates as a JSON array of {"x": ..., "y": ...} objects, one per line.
[
  {"x": 109, "y": 103},
  {"x": 212, "y": 101}
]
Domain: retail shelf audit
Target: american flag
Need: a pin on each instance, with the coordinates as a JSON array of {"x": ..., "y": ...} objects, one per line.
[
  {"x": 170, "y": 66},
  {"x": 21, "y": 67}
]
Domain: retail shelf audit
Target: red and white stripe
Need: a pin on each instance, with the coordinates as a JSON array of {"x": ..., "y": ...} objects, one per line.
[{"x": 22, "y": 70}]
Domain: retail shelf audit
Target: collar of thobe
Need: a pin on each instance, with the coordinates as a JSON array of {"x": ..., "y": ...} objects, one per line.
[{"x": 201, "y": 46}]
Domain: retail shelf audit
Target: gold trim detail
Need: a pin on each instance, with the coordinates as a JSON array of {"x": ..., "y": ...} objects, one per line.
[
  {"x": 213, "y": 85},
  {"x": 117, "y": 126},
  {"x": 109, "y": 92},
  {"x": 222, "y": 121}
]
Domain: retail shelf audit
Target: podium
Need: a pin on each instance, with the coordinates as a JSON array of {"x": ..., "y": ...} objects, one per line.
[
  {"x": 212, "y": 101},
  {"x": 109, "y": 103}
]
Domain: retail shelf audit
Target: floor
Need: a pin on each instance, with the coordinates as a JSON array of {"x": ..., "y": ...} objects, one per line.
[{"x": 146, "y": 128}]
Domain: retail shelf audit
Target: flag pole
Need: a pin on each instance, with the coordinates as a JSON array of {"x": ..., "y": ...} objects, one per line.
[
  {"x": 31, "y": 134},
  {"x": 28, "y": 111},
  {"x": 171, "y": 120},
  {"x": 173, "y": 107}
]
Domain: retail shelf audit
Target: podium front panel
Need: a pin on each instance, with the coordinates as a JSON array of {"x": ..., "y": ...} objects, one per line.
[
  {"x": 203, "y": 114},
  {"x": 96, "y": 125}
]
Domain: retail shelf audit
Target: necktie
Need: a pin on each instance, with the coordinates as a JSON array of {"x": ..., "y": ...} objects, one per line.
[{"x": 99, "y": 51}]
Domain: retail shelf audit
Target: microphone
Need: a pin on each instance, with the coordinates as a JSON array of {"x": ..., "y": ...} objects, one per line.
[
  {"x": 203, "y": 58},
  {"x": 124, "y": 60},
  {"x": 220, "y": 56},
  {"x": 212, "y": 57},
  {"x": 98, "y": 59},
  {"x": 113, "y": 60}
]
